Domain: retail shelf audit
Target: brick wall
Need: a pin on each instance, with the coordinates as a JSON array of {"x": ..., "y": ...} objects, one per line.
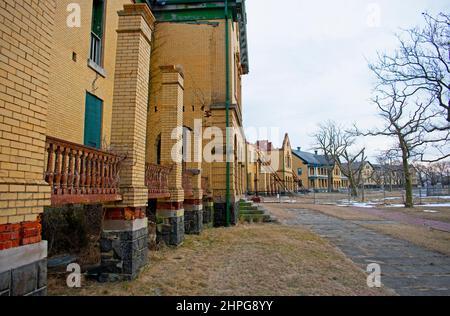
[
  {"x": 200, "y": 50},
  {"x": 70, "y": 80},
  {"x": 26, "y": 44}
]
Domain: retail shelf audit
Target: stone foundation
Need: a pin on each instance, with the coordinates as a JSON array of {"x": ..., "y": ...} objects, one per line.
[
  {"x": 172, "y": 231},
  {"x": 193, "y": 222},
  {"x": 208, "y": 214},
  {"x": 193, "y": 217},
  {"x": 23, "y": 270},
  {"x": 220, "y": 214},
  {"x": 124, "y": 249}
]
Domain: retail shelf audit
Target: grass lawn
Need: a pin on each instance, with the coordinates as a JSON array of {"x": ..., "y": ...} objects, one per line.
[
  {"x": 245, "y": 260},
  {"x": 431, "y": 239}
]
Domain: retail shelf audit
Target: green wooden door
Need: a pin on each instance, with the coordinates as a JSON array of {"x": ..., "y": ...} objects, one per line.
[{"x": 93, "y": 121}]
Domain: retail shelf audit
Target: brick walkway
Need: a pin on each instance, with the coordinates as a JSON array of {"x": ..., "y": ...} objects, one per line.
[{"x": 406, "y": 268}]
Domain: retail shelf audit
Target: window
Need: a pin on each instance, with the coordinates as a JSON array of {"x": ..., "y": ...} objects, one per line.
[
  {"x": 300, "y": 171},
  {"x": 97, "y": 32}
]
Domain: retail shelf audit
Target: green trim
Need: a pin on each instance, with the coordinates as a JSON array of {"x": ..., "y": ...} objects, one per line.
[{"x": 188, "y": 15}]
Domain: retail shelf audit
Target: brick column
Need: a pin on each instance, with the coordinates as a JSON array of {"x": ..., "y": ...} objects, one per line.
[
  {"x": 24, "y": 75},
  {"x": 124, "y": 238},
  {"x": 171, "y": 211},
  {"x": 193, "y": 206}
]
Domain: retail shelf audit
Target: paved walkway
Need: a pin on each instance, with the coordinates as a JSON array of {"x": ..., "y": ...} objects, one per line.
[{"x": 406, "y": 268}]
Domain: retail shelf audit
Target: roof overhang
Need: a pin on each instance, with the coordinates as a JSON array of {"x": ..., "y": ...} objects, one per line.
[{"x": 195, "y": 10}]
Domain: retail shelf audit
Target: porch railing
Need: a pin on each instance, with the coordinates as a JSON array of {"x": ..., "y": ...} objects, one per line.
[
  {"x": 79, "y": 174},
  {"x": 157, "y": 180},
  {"x": 205, "y": 186},
  {"x": 188, "y": 185}
]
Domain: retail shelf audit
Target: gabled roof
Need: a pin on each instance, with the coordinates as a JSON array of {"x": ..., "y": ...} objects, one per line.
[{"x": 312, "y": 159}]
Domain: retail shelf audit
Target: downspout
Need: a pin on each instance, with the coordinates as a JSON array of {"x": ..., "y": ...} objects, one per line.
[{"x": 227, "y": 114}]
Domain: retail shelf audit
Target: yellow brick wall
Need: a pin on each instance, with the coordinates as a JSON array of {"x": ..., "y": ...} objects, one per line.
[
  {"x": 71, "y": 80},
  {"x": 200, "y": 50},
  {"x": 25, "y": 44},
  {"x": 130, "y": 102}
]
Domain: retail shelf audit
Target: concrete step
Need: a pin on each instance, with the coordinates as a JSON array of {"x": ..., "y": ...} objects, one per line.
[
  {"x": 255, "y": 218},
  {"x": 252, "y": 212}
]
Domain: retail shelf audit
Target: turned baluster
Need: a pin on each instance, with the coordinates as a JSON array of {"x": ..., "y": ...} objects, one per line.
[
  {"x": 64, "y": 169},
  {"x": 103, "y": 174},
  {"x": 70, "y": 170},
  {"x": 83, "y": 173},
  {"x": 49, "y": 176},
  {"x": 100, "y": 177},
  {"x": 76, "y": 173},
  {"x": 94, "y": 183},
  {"x": 58, "y": 170},
  {"x": 88, "y": 173},
  {"x": 115, "y": 175}
]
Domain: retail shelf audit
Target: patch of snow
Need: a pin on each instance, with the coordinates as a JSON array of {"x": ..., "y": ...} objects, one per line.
[{"x": 429, "y": 211}]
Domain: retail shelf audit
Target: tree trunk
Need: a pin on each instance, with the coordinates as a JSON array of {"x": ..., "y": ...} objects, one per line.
[
  {"x": 353, "y": 188},
  {"x": 409, "y": 203},
  {"x": 330, "y": 180}
]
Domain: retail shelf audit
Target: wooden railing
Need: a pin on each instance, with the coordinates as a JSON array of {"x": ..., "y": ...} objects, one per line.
[
  {"x": 79, "y": 174},
  {"x": 157, "y": 180}
]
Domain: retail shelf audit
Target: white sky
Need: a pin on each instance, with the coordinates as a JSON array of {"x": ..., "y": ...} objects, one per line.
[{"x": 308, "y": 62}]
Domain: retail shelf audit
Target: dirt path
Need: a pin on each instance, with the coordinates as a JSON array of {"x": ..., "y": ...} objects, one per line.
[{"x": 407, "y": 268}]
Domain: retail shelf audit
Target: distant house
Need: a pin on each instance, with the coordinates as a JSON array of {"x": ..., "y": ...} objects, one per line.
[
  {"x": 270, "y": 169},
  {"x": 312, "y": 171},
  {"x": 367, "y": 173},
  {"x": 392, "y": 176}
]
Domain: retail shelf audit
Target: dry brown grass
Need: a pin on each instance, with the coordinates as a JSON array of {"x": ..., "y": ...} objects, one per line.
[
  {"x": 431, "y": 239},
  {"x": 442, "y": 213},
  {"x": 244, "y": 260},
  {"x": 346, "y": 213}
]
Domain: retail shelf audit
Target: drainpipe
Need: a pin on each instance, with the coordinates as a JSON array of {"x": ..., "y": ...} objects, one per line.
[{"x": 227, "y": 114}]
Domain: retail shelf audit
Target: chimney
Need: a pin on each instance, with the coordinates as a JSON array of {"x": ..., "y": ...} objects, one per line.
[
  {"x": 316, "y": 152},
  {"x": 299, "y": 148}
]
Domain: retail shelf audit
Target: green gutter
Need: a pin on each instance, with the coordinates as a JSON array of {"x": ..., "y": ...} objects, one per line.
[{"x": 227, "y": 114}]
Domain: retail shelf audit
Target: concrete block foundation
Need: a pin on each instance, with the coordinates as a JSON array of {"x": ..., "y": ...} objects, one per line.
[{"x": 23, "y": 270}]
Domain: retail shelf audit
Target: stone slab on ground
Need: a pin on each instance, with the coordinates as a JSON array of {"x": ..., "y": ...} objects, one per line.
[{"x": 408, "y": 269}]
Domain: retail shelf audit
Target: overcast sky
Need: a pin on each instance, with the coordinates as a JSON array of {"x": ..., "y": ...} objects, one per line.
[{"x": 308, "y": 61}]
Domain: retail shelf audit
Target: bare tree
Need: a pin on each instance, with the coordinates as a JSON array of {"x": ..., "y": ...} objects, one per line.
[
  {"x": 336, "y": 144},
  {"x": 421, "y": 64},
  {"x": 408, "y": 123}
]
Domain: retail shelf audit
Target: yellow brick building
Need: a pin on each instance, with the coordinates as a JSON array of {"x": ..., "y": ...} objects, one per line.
[
  {"x": 270, "y": 170},
  {"x": 195, "y": 40},
  {"x": 90, "y": 96}
]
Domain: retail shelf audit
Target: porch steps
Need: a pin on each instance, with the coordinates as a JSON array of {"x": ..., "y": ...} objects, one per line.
[{"x": 251, "y": 213}]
